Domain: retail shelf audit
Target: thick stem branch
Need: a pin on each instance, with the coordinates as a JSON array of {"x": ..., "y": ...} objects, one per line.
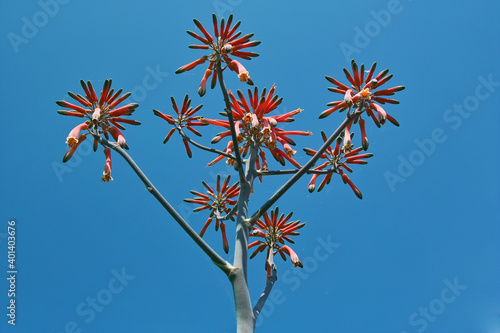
[
  {"x": 265, "y": 294},
  {"x": 216, "y": 258},
  {"x": 228, "y": 215},
  {"x": 244, "y": 313},
  {"x": 304, "y": 169}
]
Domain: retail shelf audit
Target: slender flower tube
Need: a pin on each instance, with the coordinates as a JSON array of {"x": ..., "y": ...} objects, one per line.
[
  {"x": 106, "y": 174},
  {"x": 72, "y": 138}
]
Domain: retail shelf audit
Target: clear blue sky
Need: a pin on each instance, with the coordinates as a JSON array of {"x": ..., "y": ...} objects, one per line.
[{"x": 417, "y": 254}]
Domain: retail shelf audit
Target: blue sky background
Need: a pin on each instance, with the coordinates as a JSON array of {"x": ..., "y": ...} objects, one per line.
[{"x": 394, "y": 253}]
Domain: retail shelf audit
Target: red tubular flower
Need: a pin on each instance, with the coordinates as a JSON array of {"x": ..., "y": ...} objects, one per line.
[
  {"x": 102, "y": 115},
  {"x": 293, "y": 256},
  {"x": 118, "y": 136},
  {"x": 106, "y": 174},
  {"x": 225, "y": 43},
  {"x": 362, "y": 93},
  {"x": 235, "y": 66},
  {"x": 72, "y": 138},
  {"x": 275, "y": 230},
  {"x": 185, "y": 118},
  {"x": 254, "y": 125},
  {"x": 336, "y": 162},
  {"x": 72, "y": 149},
  {"x": 203, "y": 85},
  {"x": 220, "y": 202}
]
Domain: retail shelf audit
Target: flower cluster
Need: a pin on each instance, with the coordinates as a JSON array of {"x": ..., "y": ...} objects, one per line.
[
  {"x": 102, "y": 117},
  {"x": 219, "y": 203},
  {"x": 274, "y": 231},
  {"x": 185, "y": 118},
  {"x": 362, "y": 93},
  {"x": 254, "y": 126},
  {"x": 336, "y": 162},
  {"x": 227, "y": 42}
]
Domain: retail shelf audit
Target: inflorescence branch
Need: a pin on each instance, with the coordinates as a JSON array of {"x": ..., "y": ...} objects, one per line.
[
  {"x": 200, "y": 146},
  {"x": 267, "y": 290},
  {"x": 225, "y": 266}
]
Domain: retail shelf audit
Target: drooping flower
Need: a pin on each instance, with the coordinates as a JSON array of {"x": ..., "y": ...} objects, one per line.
[
  {"x": 362, "y": 93},
  {"x": 73, "y": 148},
  {"x": 220, "y": 202},
  {"x": 254, "y": 125},
  {"x": 225, "y": 43},
  {"x": 337, "y": 161},
  {"x": 106, "y": 174},
  {"x": 273, "y": 232},
  {"x": 185, "y": 118},
  {"x": 72, "y": 138},
  {"x": 103, "y": 117}
]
